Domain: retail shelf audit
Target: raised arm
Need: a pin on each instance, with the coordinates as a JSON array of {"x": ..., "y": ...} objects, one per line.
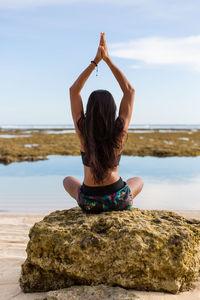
[
  {"x": 75, "y": 89},
  {"x": 126, "y": 105}
]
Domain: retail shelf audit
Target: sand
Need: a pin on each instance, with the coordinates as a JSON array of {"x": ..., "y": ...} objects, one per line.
[{"x": 14, "y": 231}]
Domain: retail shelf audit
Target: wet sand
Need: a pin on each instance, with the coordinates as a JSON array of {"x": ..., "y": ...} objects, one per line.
[{"x": 14, "y": 229}]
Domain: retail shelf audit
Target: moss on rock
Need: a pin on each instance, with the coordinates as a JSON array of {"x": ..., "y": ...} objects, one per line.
[
  {"x": 40, "y": 144},
  {"x": 155, "y": 250}
]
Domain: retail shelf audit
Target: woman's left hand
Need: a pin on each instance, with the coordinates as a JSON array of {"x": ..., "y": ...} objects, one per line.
[{"x": 99, "y": 57}]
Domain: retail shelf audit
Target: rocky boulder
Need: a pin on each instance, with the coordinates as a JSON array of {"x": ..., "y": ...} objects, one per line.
[
  {"x": 85, "y": 292},
  {"x": 155, "y": 250}
]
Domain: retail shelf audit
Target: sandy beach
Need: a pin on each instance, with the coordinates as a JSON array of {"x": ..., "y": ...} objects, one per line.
[{"x": 14, "y": 229}]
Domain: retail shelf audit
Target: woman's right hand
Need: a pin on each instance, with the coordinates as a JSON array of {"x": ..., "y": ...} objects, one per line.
[{"x": 104, "y": 49}]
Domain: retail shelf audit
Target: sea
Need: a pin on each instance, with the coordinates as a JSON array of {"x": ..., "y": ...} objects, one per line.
[
  {"x": 131, "y": 126},
  {"x": 171, "y": 183}
]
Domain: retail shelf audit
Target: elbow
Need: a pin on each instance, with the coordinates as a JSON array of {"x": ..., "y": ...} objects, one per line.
[
  {"x": 130, "y": 90},
  {"x": 72, "y": 90}
]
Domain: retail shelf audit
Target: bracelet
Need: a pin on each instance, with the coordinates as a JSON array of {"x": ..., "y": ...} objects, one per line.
[{"x": 92, "y": 61}]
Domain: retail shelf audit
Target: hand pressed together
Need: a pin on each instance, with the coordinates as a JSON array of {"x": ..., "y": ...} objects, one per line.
[{"x": 102, "y": 52}]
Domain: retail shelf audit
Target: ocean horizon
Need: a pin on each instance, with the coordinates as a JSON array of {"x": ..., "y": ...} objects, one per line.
[{"x": 71, "y": 126}]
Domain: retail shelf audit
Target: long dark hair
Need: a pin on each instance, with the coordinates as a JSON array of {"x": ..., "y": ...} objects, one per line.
[{"x": 101, "y": 132}]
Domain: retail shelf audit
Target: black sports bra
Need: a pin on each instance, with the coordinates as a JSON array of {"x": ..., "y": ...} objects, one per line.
[{"x": 86, "y": 162}]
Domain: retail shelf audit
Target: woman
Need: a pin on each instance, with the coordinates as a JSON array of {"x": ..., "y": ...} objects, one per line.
[{"x": 101, "y": 137}]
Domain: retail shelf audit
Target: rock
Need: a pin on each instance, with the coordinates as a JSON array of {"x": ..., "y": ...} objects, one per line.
[
  {"x": 84, "y": 292},
  {"x": 155, "y": 250}
]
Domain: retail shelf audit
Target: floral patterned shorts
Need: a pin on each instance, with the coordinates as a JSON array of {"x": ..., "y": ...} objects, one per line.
[{"x": 120, "y": 200}]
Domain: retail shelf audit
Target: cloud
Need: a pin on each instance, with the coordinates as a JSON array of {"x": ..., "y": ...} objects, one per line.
[
  {"x": 157, "y": 51},
  {"x": 18, "y": 4}
]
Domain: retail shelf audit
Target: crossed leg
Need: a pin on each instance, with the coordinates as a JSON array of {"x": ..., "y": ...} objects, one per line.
[
  {"x": 135, "y": 184},
  {"x": 71, "y": 185}
]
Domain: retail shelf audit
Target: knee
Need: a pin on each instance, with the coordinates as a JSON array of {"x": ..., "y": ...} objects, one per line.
[
  {"x": 136, "y": 185},
  {"x": 67, "y": 180},
  {"x": 141, "y": 182}
]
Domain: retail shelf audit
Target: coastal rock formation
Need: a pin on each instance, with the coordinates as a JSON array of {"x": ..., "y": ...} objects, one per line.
[
  {"x": 38, "y": 144},
  {"x": 85, "y": 292},
  {"x": 155, "y": 250}
]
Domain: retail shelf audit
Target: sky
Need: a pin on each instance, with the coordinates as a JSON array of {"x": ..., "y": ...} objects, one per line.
[{"x": 46, "y": 44}]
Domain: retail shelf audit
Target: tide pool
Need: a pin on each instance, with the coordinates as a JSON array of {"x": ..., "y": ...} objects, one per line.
[{"x": 37, "y": 187}]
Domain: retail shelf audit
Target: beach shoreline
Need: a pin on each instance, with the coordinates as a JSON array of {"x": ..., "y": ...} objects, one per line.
[{"x": 14, "y": 229}]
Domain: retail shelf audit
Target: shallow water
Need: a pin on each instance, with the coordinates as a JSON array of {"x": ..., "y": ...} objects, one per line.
[
  {"x": 12, "y": 136},
  {"x": 37, "y": 187}
]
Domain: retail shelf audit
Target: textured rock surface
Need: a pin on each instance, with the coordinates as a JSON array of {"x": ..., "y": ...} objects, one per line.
[
  {"x": 99, "y": 292},
  {"x": 140, "y": 249},
  {"x": 143, "y": 143}
]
